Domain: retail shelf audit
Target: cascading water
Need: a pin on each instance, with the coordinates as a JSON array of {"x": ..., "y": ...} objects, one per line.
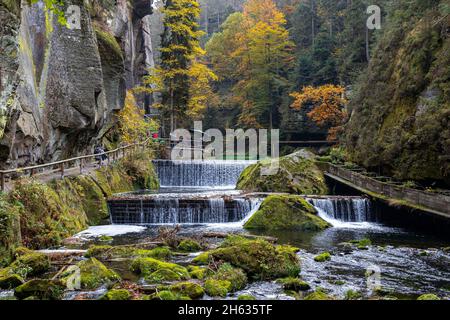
[
  {"x": 345, "y": 212},
  {"x": 180, "y": 211},
  {"x": 211, "y": 174},
  {"x": 186, "y": 198}
]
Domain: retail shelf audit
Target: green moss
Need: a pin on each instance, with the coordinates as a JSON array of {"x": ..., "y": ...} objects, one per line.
[
  {"x": 428, "y": 297},
  {"x": 202, "y": 259},
  {"x": 318, "y": 295},
  {"x": 189, "y": 245},
  {"x": 106, "y": 252},
  {"x": 258, "y": 258},
  {"x": 362, "y": 244},
  {"x": 198, "y": 272},
  {"x": 41, "y": 289},
  {"x": 296, "y": 174},
  {"x": 93, "y": 274},
  {"x": 116, "y": 295},
  {"x": 294, "y": 284},
  {"x": 326, "y": 256},
  {"x": 147, "y": 266},
  {"x": 10, "y": 281},
  {"x": 352, "y": 295},
  {"x": 236, "y": 276},
  {"x": 108, "y": 44},
  {"x": 10, "y": 236},
  {"x": 280, "y": 212},
  {"x": 217, "y": 288},
  {"x": 188, "y": 289},
  {"x": 34, "y": 263},
  {"x": 246, "y": 297},
  {"x": 162, "y": 275},
  {"x": 166, "y": 295}
]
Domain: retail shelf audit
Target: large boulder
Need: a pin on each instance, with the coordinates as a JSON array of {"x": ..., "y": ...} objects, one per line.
[
  {"x": 295, "y": 173},
  {"x": 286, "y": 212},
  {"x": 41, "y": 289}
]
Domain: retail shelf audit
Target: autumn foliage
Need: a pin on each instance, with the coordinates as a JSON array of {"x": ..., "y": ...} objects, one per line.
[{"x": 328, "y": 106}]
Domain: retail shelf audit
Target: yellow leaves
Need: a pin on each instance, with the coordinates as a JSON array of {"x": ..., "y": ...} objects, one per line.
[
  {"x": 133, "y": 127},
  {"x": 200, "y": 92},
  {"x": 328, "y": 104}
]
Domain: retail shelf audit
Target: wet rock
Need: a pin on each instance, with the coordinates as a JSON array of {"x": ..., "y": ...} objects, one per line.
[
  {"x": 345, "y": 247},
  {"x": 294, "y": 284},
  {"x": 428, "y": 297},
  {"x": 296, "y": 173},
  {"x": 258, "y": 258},
  {"x": 189, "y": 245},
  {"x": 286, "y": 212},
  {"x": 326, "y": 256},
  {"x": 202, "y": 259},
  {"x": 31, "y": 264},
  {"x": 246, "y": 297},
  {"x": 116, "y": 295},
  {"x": 319, "y": 294},
  {"x": 12, "y": 281},
  {"x": 41, "y": 289}
]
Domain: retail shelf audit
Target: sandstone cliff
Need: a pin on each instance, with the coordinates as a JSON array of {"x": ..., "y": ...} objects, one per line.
[{"x": 61, "y": 87}]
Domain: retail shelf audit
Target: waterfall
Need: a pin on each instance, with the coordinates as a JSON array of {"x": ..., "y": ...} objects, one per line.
[
  {"x": 180, "y": 211},
  {"x": 213, "y": 174},
  {"x": 344, "y": 209}
]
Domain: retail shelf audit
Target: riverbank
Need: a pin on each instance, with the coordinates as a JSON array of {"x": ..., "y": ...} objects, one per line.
[{"x": 40, "y": 215}]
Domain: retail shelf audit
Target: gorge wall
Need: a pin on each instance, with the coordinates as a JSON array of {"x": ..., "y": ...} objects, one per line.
[
  {"x": 400, "y": 120},
  {"x": 60, "y": 87}
]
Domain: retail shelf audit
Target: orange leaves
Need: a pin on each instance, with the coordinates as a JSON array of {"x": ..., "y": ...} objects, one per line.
[{"x": 328, "y": 106}]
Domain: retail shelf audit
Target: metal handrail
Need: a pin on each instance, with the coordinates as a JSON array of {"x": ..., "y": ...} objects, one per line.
[{"x": 115, "y": 154}]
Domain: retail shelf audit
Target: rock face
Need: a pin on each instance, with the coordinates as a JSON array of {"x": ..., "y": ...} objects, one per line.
[
  {"x": 401, "y": 111},
  {"x": 297, "y": 173},
  {"x": 290, "y": 213},
  {"x": 61, "y": 87}
]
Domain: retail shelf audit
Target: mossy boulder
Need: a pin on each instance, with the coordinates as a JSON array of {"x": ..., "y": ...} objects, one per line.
[
  {"x": 109, "y": 252},
  {"x": 294, "y": 284},
  {"x": 246, "y": 297},
  {"x": 202, "y": 259},
  {"x": 31, "y": 264},
  {"x": 217, "y": 288},
  {"x": 326, "y": 256},
  {"x": 428, "y": 297},
  {"x": 93, "y": 274},
  {"x": 188, "y": 289},
  {"x": 258, "y": 258},
  {"x": 116, "y": 295},
  {"x": 318, "y": 295},
  {"x": 189, "y": 245},
  {"x": 236, "y": 276},
  {"x": 166, "y": 295},
  {"x": 286, "y": 212},
  {"x": 362, "y": 244},
  {"x": 10, "y": 281},
  {"x": 162, "y": 275},
  {"x": 296, "y": 173},
  {"x": 353, "y": 295},
  {"x": 198, "y": 272},
  {"x": 148, "y": 266},
  {"x": 41, "y": 289}
]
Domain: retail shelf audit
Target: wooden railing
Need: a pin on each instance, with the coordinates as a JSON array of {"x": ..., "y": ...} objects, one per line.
[{"x": 63, "y": 165}]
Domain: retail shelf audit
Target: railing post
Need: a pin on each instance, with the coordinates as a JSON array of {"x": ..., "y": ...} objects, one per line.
[
  {"x": 2, "y": 181},
  {"x": 81, "y": 166},
  {"x": 62, "y": 170},
  {"x": 31, "y": 173}
]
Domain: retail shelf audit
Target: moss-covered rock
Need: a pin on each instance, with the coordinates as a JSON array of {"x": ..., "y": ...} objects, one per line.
[
  {"x": 10, "y": 236},
  {"x": 202, "y": 259},
  {"x": 428, "y": 297},
  {"x": 318, "y": 295},
  {"x": 166, "y": 295},
  {"x": 352, "y": 295},
  {"x": 236, "y": 276},
  {"x": 258, "y": 258},
  {"x": 246, "y": 297},
  {"x": 147, "y": 266},
  {"x": 93, "y": 274},
  {"x": 42, "y": 289},
  {"x": 189, "y": 245},
  {"x": 217, "y": 288},
  {"x": 286, "y": 212},
  {"x": 362, "y": 244},
  {"x": 294, "y": 284},
  {"x": 34, "y": 263},
  {"x": 188, "y": 289},
  {"x": 109, "y": 252},
  {"x": 296, "y": 173},
  {"x": 10, "y": 281},
  {"x": 326, "y": 256},
  {"x": 116, "y": 295},
  {"x": 162, "y": 275},
  {"x": 198, "y": 272}
]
